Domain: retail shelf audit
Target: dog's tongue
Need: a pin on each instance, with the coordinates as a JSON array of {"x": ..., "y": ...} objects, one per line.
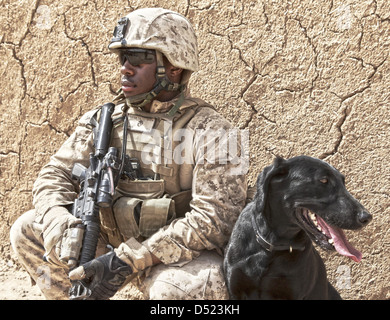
[{"x": 340, "y": 241}]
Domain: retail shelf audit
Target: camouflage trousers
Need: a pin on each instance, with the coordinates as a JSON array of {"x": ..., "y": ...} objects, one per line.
[{"x": 199, "y": 279}]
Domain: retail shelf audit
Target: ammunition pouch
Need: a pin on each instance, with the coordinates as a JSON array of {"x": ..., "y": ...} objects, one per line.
[
  {"x": 140, "y": 209},
  {"x": 153, "y": 214}
]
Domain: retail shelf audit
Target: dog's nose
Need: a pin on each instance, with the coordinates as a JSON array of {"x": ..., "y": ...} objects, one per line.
[{"x": 364, "y": 217}]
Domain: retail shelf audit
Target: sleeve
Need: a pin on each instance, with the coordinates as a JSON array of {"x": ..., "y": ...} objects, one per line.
[
  {"x": 218, "y": 192},
  {"x": 54, "y": 185}
]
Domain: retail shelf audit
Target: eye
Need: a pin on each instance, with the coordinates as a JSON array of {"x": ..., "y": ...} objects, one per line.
[{"x": 324, "y": 180}]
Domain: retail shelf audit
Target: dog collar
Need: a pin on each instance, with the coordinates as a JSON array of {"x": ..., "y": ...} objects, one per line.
[{"x": 269, "y": 246}]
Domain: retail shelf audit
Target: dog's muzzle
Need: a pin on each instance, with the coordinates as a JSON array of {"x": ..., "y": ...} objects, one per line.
[{"x": 326, "y": 236}]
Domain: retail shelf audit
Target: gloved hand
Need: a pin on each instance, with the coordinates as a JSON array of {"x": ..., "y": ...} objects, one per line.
[
  {"x": 56, "y": 228},
  {"x": 102, "y": 276}
]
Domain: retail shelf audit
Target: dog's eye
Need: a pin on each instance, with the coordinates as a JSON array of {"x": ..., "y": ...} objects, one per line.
[{"x": 324, "y": 180}]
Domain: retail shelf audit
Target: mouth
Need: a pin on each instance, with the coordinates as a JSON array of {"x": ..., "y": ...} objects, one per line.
[
  {"x": 326, "y": 236},
  {"x": 128, "y": 86}
]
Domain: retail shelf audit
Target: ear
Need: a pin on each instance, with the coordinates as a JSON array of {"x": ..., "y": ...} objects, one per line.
[
  {"x": 278, "y": 168},
  {"x": 174, "y": 72}
]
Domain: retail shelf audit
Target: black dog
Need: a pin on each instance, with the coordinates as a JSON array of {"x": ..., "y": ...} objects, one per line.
[{"x": 270, "y": 254}]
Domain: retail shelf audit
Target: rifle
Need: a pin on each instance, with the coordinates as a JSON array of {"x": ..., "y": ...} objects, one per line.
[{"x": 97, "y": 187}]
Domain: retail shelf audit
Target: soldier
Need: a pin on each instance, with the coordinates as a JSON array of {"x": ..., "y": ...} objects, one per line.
[{"x": 171, "y": 220}]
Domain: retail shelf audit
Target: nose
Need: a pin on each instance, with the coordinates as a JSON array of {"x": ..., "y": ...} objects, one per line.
[
  {"x": 127, "y": 69},
  {"x": 364, "y": 217}
]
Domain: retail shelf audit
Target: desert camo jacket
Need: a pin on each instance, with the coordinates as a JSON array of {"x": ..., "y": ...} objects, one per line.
[{"x": 218, "y": 184}]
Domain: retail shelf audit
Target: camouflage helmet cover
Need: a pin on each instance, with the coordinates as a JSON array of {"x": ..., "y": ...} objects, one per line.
[{"x": 159, "y": 29}]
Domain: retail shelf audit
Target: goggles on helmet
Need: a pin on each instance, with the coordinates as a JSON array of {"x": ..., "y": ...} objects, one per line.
[{"x": 137, "y": 56}]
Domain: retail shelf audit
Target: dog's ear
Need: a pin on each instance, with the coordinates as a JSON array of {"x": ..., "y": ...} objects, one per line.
[{"x": 278, "y": 168}]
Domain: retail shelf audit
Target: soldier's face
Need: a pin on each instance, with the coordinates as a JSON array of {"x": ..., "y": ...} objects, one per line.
[{"x": 137, "y": 79}]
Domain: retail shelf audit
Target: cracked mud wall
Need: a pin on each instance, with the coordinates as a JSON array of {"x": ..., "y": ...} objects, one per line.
[{"x": 304, "y": 77}]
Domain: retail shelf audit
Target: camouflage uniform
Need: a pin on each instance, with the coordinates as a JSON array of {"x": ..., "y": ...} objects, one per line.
[{"x": 205, "y": 194}]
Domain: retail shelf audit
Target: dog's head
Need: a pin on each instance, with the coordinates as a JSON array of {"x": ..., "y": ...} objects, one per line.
[{"x": 314, "y": 193}]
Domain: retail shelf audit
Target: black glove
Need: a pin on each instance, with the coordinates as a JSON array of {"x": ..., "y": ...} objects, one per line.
[{"x": 102, "y": 277}]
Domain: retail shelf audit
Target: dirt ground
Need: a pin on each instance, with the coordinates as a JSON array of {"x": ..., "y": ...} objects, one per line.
[{"x": 15, "y": 284}]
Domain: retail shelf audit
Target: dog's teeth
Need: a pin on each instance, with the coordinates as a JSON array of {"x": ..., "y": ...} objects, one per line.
[
  {"x": 331, "y": 241},
  {"x": 313, "y": 218}
]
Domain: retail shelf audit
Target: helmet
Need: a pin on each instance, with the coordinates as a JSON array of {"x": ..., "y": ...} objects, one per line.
[{"x": 163, "y": 30}]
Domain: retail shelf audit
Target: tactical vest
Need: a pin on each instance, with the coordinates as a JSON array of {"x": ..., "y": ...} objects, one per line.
[{"x": 143, "y": 206}]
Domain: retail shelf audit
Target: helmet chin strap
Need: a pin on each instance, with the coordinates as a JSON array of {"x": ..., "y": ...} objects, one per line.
[{"x": 162, "y": 83}]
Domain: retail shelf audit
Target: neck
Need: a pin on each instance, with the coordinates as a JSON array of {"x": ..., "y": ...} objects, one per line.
[{"x": 276, "y": 232}]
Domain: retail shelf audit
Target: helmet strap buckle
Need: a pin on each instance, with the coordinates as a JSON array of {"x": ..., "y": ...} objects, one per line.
[{"x": 160, "y": 70}]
